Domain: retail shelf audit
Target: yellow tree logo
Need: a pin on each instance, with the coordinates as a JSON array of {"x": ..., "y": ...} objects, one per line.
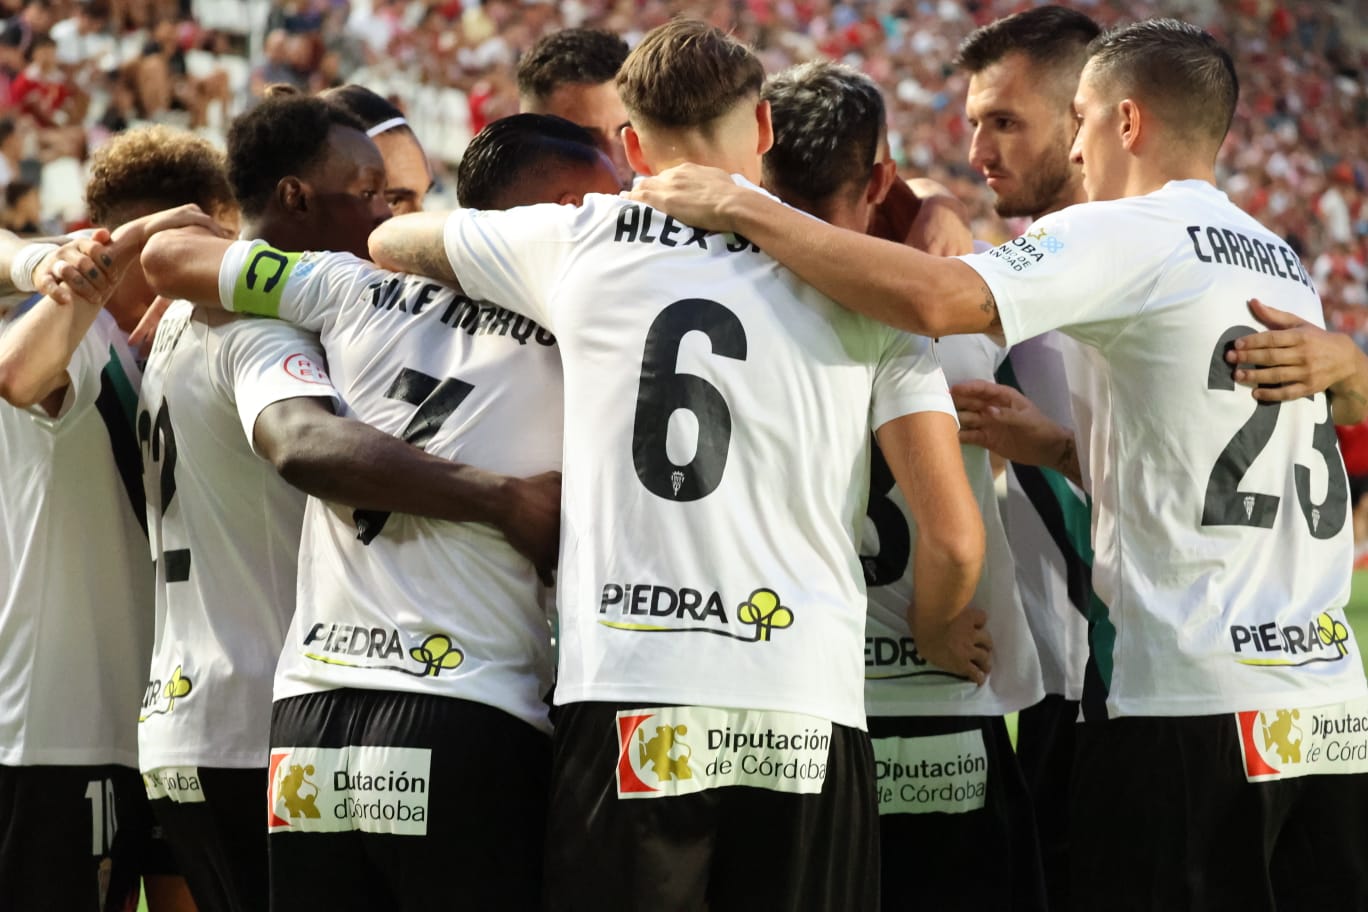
[
  {"x": 765, "y": 613},
  {"x": 178, "y": 687},
  {"x": 298, "y": 792},
  {"x": 1332, "y": 633},
  {"x": 437, "y": 654}
]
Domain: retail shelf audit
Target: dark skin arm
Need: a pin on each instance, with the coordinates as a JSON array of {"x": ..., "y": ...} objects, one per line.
[{"x": 347, "y": 461}]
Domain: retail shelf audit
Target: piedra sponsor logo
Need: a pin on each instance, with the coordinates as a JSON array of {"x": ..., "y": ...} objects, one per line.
[
  {"x": 936, "y": 773},
  {"x": 1274, "y": 645},
  {"x": 333, "y": 790},
  {"x": 160, "y": 698},
  {"x": 652, "y": 608},
  {"x": 1285, "y": 743},
  {"x": 363, "y": 646}
]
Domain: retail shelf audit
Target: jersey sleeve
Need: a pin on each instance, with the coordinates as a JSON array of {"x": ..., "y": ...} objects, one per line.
[
  {"x": 907, "y": 379},
  {"x": 312, "y": 290},
  {"x": 512, "y": 257},
  {"x": 96, "y": 350},
  {"x": 262, "y": 362},
  {"x": 1071, "y": 271}
]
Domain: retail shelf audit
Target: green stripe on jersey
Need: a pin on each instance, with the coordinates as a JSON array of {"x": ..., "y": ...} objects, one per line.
[
  {"x": 261, "y": 283},
  {"x": 123, "y": 387},
  {"x": 1077, "y": 514}
]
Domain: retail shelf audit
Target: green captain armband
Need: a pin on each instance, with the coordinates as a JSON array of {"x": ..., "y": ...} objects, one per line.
[{"x": 261, "y": 281}]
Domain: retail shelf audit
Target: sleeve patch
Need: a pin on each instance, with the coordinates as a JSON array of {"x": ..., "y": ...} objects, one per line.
[{"x": 306, "y": 370}]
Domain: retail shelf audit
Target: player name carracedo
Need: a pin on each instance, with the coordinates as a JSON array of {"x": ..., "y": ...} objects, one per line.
[
  {"x": 363, "y": 646},
  {"x": 679, "y": 750},
  {"x": 935, "y": 773},
  {"x": 645, "y": 607},
  {"x": 478, "y": 318},
  {"x": 328, "y": 790},
  {"x": 1270, "y": 644},
  {"x": 1222, "y": 245}
]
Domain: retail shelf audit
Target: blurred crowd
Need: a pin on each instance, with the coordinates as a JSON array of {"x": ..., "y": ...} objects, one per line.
[{"x": 74, "y": 71}]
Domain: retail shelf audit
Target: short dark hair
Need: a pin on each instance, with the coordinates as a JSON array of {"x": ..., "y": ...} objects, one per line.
[
  {"x": 283, "y": 135},
  {"x": 1047, "y": 34},
  {"x": 155, "y": 167},
  {"x": 514, "y": 149},
  {"x": 1179, "y": 70},
  {"x": 828, "y": 120},
  {"x": 686, "y": 73},
  {"x": 370, "y": 108},
  {"x": 570, "y": 56}
]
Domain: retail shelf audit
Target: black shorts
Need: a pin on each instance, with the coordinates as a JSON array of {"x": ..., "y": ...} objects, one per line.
[
  {"x": 1045, "y": 752},
  {"x": 1164, "y": 819},
  {"x": 219, "y": 841},
  {"x": 726, "y": 848},
  {"x": 401, "y": 801},
  {"x": 955, "y": 824},
  {"x": 72, "y": 838}
]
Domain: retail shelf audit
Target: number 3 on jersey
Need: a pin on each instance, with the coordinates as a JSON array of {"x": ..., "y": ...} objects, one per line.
[
  {"x": 1227, "y": 505},
  {"x": 664, "y": 390}
]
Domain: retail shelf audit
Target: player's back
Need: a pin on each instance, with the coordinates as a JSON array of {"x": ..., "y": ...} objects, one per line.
[
  {"x": 398, "y": 602},
  {"x": 225, "y": 531},
  {"x": 718, "y": 414},
  {"x": 75, "y": 583},
  {"x": 1220, "y": 524}
]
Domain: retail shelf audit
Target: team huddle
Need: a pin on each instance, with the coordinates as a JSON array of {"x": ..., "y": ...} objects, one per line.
[{"x": 617, "y": 543}]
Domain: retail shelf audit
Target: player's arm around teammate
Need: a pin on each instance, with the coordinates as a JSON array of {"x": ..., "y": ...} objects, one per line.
[
  {"x": 76, "y": 280},
  {"x": 348, "y": 461},
  {"x": 1294, "y": 358}
]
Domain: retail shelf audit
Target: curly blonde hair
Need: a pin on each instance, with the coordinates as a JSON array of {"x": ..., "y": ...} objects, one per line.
[{"x": 150, "y": 168}]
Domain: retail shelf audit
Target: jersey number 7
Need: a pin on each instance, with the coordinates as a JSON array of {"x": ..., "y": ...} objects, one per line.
[{"x": 436, "y": 400}]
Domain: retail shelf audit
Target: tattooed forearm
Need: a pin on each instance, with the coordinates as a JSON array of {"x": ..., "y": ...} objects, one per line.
[{"x": 1066, "y": 463}]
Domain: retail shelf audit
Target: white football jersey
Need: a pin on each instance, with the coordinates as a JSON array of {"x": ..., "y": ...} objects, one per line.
[
  {"x": 717, "y": 454},
  {"x": 898, "y": 681},
  {"x": 1220, "y": 526},
  {"x": 395, "y": 602},
  {"x": 75, "y": 581},
  {"x": 224, "y": 529},
  {"x": 1048, "y": 522}
]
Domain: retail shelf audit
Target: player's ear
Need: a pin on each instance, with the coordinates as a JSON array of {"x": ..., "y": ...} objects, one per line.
[
  {"x": 881, "y": 181},
  {"x": 765, "y": 127},
  {"x": 1131, "y": 123},
  {"x": 631, "y": 142},
  {"x": 293, "y": 195}
]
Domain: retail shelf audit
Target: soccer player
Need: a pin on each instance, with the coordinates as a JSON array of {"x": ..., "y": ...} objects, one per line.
[
  {"x": 408, "y": 172},
  {"x": 710, "y": 743},
  {"x": 1222, "y": 547},
  {"x": 570, "y": 74},
  {"x": 950, "y": 791},
  {"x": 75, "y": 582},
  {"x": 1023, "y": 71},
  {"x": 409, "y": 739}
]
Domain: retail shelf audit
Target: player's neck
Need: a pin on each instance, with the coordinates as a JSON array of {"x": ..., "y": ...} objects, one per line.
[{"x": 280, "y": 233}]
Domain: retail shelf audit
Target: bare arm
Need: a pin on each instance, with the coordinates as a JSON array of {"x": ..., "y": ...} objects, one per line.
[
  {"x": 941, "y": 226},
  {"x": 185, "y": 264},
  {"x": 888, "y": 282},
  {"x": 349, "y": 462},
  {"x": 1302, "y": 359},
  {"x": 1003, "y": 421},
  {"x": 922, "y": 451},
  {"x": 414, "y": 244},
  {"x": 35, "y": 352}
]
